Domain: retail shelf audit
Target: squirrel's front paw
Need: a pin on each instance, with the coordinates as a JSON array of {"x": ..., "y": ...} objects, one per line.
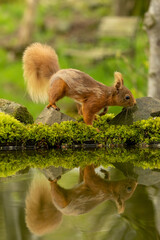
[
  {"x": 54, "y": 180},
  {"x": 57, "y": 108},
  {"x": 53, "y": 106}
]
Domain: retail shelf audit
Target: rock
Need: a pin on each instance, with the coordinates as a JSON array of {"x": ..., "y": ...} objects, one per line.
[
  {"x": 146, "y": 107},
  {"x": 145, "y": 177},
  {"x": 54, "y": 172},
  {"x": 50, "y": 116},
  {"x": 16, "y": 110}
]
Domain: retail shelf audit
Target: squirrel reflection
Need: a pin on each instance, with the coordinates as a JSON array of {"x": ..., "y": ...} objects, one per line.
[
  {"x": 90, "y": 192},
  {"x": 45, "y": 206}
]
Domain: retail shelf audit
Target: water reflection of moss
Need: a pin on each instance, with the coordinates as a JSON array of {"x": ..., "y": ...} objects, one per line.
[
  {"x": 12, "y": 132},
  {"x": 11, "y": 162}
]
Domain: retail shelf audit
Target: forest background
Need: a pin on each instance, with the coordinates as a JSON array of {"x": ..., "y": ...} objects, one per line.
[{"x": 64, "y": 25}]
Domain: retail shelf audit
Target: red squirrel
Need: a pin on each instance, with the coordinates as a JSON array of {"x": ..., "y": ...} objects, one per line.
[
  {"x": 92, "y": 191},
  {"x": 45, "y": 81},
  {"x": 47, "y": 201}
]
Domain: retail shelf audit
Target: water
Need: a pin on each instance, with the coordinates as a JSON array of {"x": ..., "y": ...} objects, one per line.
[{"x": 119, "y": 199}]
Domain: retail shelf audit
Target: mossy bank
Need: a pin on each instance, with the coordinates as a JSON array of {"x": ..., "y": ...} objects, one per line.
[{"x": 14, "y": 133}]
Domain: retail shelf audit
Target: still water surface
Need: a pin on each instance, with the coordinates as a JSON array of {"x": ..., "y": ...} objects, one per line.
[{"x": 118, "y": 202}]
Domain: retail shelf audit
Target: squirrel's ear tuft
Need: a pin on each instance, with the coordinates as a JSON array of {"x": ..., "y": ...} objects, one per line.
[{"x": 118, "y": 80}]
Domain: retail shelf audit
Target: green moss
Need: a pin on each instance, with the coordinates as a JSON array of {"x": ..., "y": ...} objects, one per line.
[
  {"x": 12, "y": 132},
  {"x": 23, "y": 115},
  {"x": 11, "y": 162}
]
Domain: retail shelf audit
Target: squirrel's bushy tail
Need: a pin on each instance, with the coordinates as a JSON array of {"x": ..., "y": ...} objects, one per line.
[
  {"x": 41, "y": 215},
  {"x": 40, "y": 62}
]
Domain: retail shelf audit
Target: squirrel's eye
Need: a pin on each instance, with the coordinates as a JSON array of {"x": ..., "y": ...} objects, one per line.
[
  {"x": 129, "y": 189},
  {"x": 127, "y": 97}
]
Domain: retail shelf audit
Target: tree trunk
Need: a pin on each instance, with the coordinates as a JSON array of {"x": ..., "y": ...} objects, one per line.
[
  {"x": 152, "y": 25},
  {"x": 130, "y": 7},
  {"x": 28, "y": 22}
]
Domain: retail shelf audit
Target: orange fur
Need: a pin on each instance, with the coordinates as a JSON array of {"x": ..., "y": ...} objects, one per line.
[
  {"x": 45, "y": 80},
  {"x": 47, "y": 202},
  {"x": 91, "y": 192},
  {"x": 40, "y": 62},
  {"x": 41, "y": 215}
]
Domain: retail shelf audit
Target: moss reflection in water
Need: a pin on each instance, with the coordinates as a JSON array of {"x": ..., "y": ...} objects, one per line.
[{"x": 11, "y": 162}]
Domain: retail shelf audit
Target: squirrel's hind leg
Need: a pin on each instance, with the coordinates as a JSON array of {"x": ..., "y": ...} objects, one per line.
[
  {"x": 88, "y": 117},
  {"x": 59, "y": 195},
  {"x": 89, "y": 109},
  {"x": 56, "y": 92}
]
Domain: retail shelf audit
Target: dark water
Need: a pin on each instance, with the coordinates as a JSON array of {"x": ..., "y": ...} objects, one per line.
[{"x": 120, "y": 201}]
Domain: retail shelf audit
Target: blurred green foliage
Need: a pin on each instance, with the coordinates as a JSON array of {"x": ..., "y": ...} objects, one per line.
[{"x": 56, "y": 25}]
